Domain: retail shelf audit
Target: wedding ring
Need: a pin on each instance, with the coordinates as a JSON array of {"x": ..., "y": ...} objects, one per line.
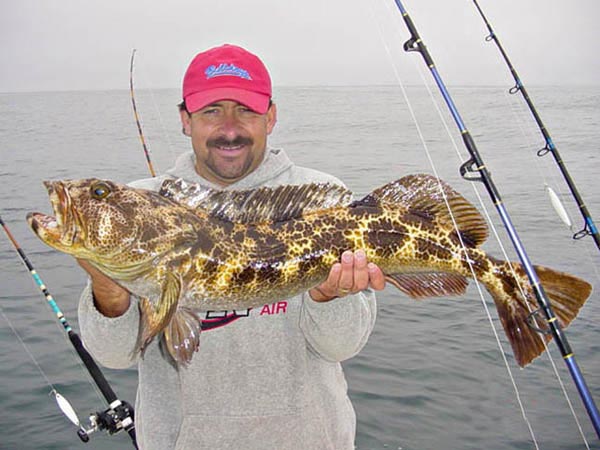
[{"x": 343, "y": 291}]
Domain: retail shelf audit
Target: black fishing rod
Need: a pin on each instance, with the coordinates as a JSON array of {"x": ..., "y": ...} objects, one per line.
[
  {"x": 589, "y": 228},
  {"x": 119, "y": 415},
  {"x": 474, "y": 170},
  {"x": 137, "y": 117}
]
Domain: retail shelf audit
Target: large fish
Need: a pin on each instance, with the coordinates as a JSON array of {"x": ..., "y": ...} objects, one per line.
[{"x": 187, "y": 249}]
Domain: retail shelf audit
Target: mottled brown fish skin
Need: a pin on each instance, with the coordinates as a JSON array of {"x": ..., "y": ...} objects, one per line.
[
  {"x": 268, "y": 261},
  {"x": 181, "y": 259}
]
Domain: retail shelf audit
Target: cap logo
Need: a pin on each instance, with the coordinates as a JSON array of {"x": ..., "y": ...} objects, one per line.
[{"x": 226, "y": 70}]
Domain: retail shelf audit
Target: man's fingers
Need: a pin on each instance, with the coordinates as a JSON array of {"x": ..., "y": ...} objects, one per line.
[
  {"x": 330, "y": 286},
  {"x": 361, "y": 272},
  {"x": 328, "y": 289},
  {"x": 376, "y": 277},
  {"x": 346, "y": 281},
  {"x": 353, "y": 274}
]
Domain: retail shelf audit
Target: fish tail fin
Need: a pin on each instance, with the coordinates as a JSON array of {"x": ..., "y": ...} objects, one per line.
[
  {"x": 182, "y": 335},
  {"x": 567, "y": 293},
  {"x": 515, "y": 302},
  {"x": 154, "y": 319}
]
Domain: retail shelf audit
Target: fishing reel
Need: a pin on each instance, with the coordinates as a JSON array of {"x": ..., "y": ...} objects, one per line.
[{"x": 118, "y": 417}]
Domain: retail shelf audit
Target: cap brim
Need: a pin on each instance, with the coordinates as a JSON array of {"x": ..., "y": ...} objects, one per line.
[{"x": 255, "y": 101}]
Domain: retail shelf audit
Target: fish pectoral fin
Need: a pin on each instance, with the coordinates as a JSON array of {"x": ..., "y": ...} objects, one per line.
[
  {"x": 428, "y": 284},
  {"x": 155, "y": 319},
  {"x": 182, "y": 335}
]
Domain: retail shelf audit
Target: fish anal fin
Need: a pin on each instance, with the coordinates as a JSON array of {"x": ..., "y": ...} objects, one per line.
[
  {"x": 182, "y": 336},
  {"x": 155, "y": 318},
  {"x": 428, "y": 284}
]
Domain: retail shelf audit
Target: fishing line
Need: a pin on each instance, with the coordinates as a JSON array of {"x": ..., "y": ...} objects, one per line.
[
  {"x": 474, "y": 187},
  {"x": 528, "y": 134},
  {"x": 507, "y": 259},
  {"x": 521, "y": 114},
  {"x": 520, "y": 117},
  {"x": 119, "y": 415},
  {"x": 589, "y": 227},
  {"x": 64, "y": 325},
  {"x": 64, "y": 405},
  {"x": 544, "y": 165},
  {"x": 546, "y": 169},
  {"x": 475, "y": 170},
  {"x": 28, "y": 351},
  {"x": 450, "y": 135},
  {"x": 436, "y": 173},
  {"x": 165, "y": 133},
  {"x": 137, "y": 117}
]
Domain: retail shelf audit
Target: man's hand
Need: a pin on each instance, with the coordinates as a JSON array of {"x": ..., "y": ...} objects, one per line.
[
  {"x": 110, "y": 299},
  {"x": 352, "y": 275}
]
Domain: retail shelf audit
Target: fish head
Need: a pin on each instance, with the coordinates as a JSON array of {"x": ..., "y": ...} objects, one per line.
[{"x": 109, "y": 224}]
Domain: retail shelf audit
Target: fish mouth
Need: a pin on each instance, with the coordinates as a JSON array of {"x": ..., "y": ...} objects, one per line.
[{"x": 63, "y": 228}]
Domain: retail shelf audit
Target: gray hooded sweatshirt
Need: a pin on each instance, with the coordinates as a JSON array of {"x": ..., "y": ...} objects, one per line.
[{"x": 264, "y": 378}]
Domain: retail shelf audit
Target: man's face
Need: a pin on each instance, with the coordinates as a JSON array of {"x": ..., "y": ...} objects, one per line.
[{"x": 229, "y": 139}]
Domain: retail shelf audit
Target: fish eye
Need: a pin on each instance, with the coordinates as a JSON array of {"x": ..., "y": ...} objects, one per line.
[{"x": 100, "y": 190}]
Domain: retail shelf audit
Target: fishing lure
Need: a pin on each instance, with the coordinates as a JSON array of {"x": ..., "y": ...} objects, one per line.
[
  {"x": 589, "y": 227},
  {"x": 119, "y": 415}
]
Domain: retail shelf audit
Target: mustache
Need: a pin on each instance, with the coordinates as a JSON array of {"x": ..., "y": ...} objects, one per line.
[{"x": 222, "y": 141}]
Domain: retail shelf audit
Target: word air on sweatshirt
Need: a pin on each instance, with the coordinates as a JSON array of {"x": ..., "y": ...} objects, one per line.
[
  {"x": 218, "y": 319},
  {"x": 274, "y": 308}
]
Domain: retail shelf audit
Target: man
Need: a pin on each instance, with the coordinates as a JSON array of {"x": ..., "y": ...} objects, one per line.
[{"x": 265, "y": 378}]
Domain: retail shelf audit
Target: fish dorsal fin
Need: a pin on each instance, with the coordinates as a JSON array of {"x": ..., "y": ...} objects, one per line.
[
  {"x": 275, "y": 204},
  {"x": 422, "y": 193}
]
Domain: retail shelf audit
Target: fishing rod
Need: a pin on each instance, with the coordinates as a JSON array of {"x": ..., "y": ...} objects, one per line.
[
  {"x": 474, "y": 170},
  {"x": 120, "y": 414},
  {"x": 589, "y": 228},
  {"x": 137, "y": 118}
]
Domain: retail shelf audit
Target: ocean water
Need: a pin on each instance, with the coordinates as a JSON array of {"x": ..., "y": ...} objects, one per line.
[{"x": 433, "y": 374}]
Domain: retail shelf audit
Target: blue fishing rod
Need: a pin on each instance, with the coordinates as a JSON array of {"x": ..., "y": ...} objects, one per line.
[
  {"x": 120, "y": 415},
  {"x": 474, "y": 170},
  {"x": 589, "y": 228}
]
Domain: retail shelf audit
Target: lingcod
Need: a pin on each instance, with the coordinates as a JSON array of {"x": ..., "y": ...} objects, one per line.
[{"x": 188, "y": 248}]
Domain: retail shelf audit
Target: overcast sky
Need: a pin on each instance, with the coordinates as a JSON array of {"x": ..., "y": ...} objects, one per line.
[{"x": 73, "y": 44}]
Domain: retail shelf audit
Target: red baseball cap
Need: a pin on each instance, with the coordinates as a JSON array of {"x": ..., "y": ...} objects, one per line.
[{"x": 227, "y": 72}]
